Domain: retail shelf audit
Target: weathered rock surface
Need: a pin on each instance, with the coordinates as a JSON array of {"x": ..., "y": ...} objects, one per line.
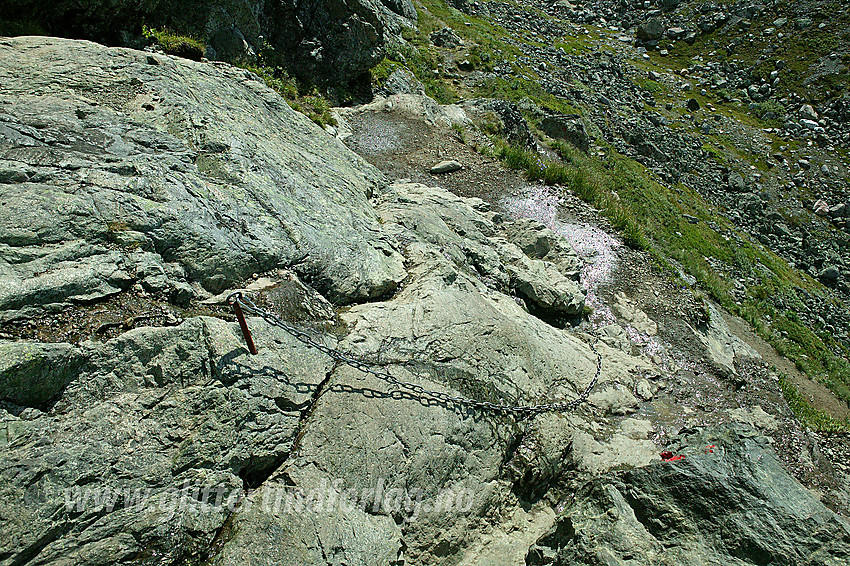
[
  {"x": 415, "y": 106},
  {"x": 148, "y": 444},
  {"x": 446, "y": 331},
  {"x": 724, "y": 348},
  {"x": 539, "y": 242},
  {"x": 650, "y": 30},
  {"x": 98, "y": 479},
  {"x": 141, "y": 156},
  {"x": 566, "y": 127},
  {"x": 637, "y": 319},
  {"x": 186, "y": 408},
  {"x": 309, "y": 460},
  {"x": 480, "y": 243},
  {"x": 729, "y": 501}
]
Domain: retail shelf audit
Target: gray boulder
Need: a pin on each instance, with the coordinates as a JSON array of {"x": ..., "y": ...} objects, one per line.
[
  {"x": 724, "y": 348},
  {"x": 736, "y": 182},
  {"x": 443, "y": 167},
  {"x": 404, "y": 8},
  {"x": 445, "y": 37},
  {"x": 142, "y": 157},
  {"x": 540, "y": 282},
  {"x": 507, "y": 117},
  {"x": 650, "y": 30},
  {"x": 829, "y": 275},
  {"x": 402, "y": 81},
  {"x": 33, "y": 374},
  {"x": 539, "y": 242},
  {"x": 676, "y": 33},
  {"x": 566, "y": 127}
]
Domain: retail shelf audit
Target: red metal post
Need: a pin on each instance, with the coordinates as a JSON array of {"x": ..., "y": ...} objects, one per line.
[{"x": 243, "y": 324}]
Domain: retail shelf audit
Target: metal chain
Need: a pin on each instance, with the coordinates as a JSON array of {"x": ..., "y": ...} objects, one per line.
[{"x": 559, "y": 406}]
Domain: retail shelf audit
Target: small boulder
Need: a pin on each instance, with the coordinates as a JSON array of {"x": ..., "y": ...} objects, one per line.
[
  {"x": 651, "y": 30},
  {"x": 838, "y": 211},
  {"x": 829, "y": 275},
  {"x": 567, "y": 127},
  {"x": 806, "y": 111},
  {"x": 736, "y": 182},
  {"x": 676, "y": 33},
  {"x": 445, "y": 167},
  {"x": 445, "y": 37},
  {"x": 402, "y": 81},
  {"x": 693, "y": 104},
  {"x": 820, "y": 207},
  {"x": 34, "y": 374}
]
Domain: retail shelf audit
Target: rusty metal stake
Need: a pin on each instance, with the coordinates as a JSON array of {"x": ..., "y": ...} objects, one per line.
[{"x": 243, "y": 324}]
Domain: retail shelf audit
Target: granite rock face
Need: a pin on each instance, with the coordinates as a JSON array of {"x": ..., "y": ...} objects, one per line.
[
  {"x": 728, "y": 501},
  {"x": 150, "y": 416},
  {"x": 448, "y": 330},
  {"x": 135, "y": 171}
]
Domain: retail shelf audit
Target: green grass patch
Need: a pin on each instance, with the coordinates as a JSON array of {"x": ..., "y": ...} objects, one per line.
[
  {"x": 310, "y": 101},
  {"x": 573, "y": 46},
  {"x": 175, "y": 43},
  {"x": 808, "y": 415},
  {"x": 650, "y": 85},
  {"x": 575, "y": 175}
]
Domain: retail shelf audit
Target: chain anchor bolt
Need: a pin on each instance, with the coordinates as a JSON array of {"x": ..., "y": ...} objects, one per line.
[{"x": 233, "y": 299}]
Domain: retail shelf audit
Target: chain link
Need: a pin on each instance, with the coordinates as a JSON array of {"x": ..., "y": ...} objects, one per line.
[{"x": 382, "y": 374}]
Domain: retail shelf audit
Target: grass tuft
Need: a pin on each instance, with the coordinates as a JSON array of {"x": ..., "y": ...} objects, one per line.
[{"x": 174, "y": 43}]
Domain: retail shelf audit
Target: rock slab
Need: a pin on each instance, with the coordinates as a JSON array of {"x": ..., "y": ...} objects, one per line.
[{"x": 140, "y": 173}]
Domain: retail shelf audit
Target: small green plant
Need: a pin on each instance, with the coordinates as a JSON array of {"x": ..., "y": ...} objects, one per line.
[
  {"x": 277, "y": 79},
  {"x": 11, "y": 28},
  {"x": 317, "y": 108},
  {"x": 174, "y": 43},
  {"x": 460, "y": 133},
  {"x": 650, "y": 85},
  {"x": 313, "y": 103},
  {"x": 764, "y": 110}
]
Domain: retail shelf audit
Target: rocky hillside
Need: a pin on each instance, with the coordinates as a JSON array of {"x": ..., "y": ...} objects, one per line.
[
  {"x": 733, "y": 160},
  {"x": 588, "y": 205}
]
